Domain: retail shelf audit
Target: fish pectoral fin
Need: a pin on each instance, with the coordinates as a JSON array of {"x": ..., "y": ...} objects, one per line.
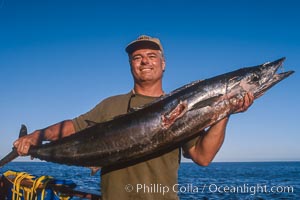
[
  {"x": 94, "y": 170},
  {"x": 206, "y": 102},
  {"x": 169, "y": 118}
]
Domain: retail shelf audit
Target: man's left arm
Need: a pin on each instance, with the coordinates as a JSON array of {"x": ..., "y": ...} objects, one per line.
[{"x": 208, "y": 144}]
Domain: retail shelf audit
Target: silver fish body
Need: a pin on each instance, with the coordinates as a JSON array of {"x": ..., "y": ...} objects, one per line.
[{"x": 164, "y": 124}]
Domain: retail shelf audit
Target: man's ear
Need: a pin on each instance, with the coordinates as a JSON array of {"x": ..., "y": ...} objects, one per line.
[{"x": 163, "y": 65}]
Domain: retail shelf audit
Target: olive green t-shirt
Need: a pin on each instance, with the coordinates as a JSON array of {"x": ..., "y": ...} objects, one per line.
[{"x": 153, "y": 179}]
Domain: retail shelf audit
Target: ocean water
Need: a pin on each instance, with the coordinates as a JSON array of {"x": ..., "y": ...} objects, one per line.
[
  {"x": 242, "y": 180},
  {"x": 227, "y": 180}
]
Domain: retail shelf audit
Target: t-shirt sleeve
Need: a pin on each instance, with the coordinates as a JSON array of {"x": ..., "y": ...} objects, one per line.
[
  {"x": 79, "y": 122},
  {"x": 94, "y": 115},
  {"x": 105, "y": 110}
]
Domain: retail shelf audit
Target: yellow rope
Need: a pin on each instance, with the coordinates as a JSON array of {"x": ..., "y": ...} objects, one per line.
[
  {"x": 17, "y": 188},
  {"x": 30, "y": 193},
  {"x": 16, "y": 193},
  {"x": 40, "y": 182}
]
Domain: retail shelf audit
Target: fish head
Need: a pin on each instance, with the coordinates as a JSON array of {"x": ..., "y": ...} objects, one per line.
[{"x": 259, "y": 79}]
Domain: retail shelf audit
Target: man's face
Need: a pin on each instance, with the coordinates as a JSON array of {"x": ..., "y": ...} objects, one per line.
[{"x": 147, "y": 65}]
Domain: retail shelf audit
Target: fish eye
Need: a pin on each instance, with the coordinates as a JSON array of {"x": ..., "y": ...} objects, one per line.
[{"x": 255, "y": 78}]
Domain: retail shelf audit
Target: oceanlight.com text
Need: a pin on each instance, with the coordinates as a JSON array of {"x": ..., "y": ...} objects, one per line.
[
  {"x": 248, "y": 189},
  {"x": 208, "y": 188}
]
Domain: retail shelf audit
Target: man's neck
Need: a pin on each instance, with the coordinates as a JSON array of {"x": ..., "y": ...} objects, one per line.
[{"x": 148, "y": 90}]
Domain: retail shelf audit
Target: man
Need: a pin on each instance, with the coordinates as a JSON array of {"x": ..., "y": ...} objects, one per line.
[{"x": 140, "y": 180}]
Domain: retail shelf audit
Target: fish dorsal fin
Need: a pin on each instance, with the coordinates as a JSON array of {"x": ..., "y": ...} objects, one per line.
[
  {"x": 136, "y": 109},
  {"x": 90, "y": 123}
]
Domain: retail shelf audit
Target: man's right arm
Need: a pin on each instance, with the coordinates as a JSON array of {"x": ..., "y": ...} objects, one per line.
[{"x": 51, "y": 133}]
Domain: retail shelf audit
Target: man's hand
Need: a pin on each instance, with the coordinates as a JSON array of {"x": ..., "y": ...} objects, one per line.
[
  {"x": 243, "y": 104},
  {"x": 23, "y": 144},
  {"x": 51, "y": 133}
]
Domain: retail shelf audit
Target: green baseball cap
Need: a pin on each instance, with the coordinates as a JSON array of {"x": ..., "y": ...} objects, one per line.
[{"x": 144, "y": 42}]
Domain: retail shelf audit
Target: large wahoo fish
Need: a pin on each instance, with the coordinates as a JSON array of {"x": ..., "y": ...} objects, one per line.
[{"x": 163, "y": 124}]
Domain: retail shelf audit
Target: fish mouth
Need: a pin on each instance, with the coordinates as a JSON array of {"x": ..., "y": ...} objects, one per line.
[{"x": 271, "y": 77}]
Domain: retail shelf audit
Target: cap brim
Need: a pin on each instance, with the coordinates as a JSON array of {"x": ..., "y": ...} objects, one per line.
[{"x": 141, "y": 45}]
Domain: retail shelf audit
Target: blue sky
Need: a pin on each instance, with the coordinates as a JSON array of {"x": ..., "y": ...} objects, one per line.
[{"x": 58, "y": 59}]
